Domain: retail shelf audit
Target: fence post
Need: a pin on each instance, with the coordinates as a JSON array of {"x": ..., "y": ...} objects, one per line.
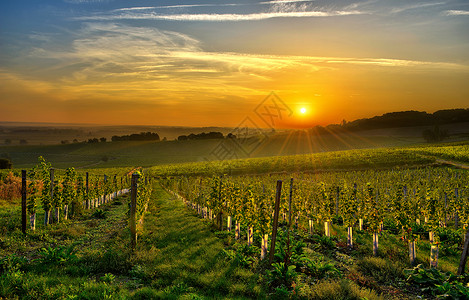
[
  {"x": 289, "y": 202},
  {"x": 462, "y": 263},
  {"x": 275, "y": 224},
  {"x": 87, "y": 202},
  {"x": 49, "y": 215},
  {"x": 133, "y": 211},
  {"x": 23, "y": 201}
]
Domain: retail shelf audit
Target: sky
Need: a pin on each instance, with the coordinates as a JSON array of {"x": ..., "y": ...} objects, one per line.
[{"x": 213, "y": 63}]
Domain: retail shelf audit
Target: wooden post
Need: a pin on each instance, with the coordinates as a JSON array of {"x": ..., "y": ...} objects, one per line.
[
  {"x": 133, "y": 211},
  {"x": 412, "y": 252},
  {"x": 289, "y": 202},
  {"x": 462, "y": 263},
  {"x": 48, "y": 213},
  {"x": 250, "y": 235},
  {"x": 275, "y": 224},
  {"x": 337, "y": 202},
  {"x": 115, "y": 182},
  {"x": 446, "y": 207},
  {"x": 23, "y": 201},
  {"x": 87, "y": 203},
  {"x": 104, "y": 192}
]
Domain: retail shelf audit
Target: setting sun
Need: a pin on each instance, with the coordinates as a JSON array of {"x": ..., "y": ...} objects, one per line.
[{"x": 303, "y": 110}]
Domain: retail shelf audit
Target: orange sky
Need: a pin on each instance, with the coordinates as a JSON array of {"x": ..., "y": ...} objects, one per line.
[{"x": 207, "y": 66}]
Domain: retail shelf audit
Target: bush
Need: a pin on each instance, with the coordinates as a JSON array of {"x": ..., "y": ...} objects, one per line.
[{"x": 5, "y": 163}]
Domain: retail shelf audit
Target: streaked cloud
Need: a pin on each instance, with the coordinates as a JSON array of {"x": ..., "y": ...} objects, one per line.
[
  {"x": 220, "y": 17},
  {"x": 137, "y": 8},
  {"x": 103, "y": 56},
  {"x": 457, "y": 12},
  {"x": 284, "y": 1},
  {"x": 415, "y": 6}
]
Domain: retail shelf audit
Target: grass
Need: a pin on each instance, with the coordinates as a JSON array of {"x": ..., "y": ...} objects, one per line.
[
  {"x": 87, "y": 258},
  {"x": 186, "y": 257}
]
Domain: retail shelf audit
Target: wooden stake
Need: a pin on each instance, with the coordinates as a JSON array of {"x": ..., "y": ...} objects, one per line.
[
  {"x": 412, "y": 253},
  {"x": 462, "y": 263},
  {"x": 289, "y": 202},
  {"x": 23, "y": 201},
  {"x": 275, "y": 224},
  {"x": 133, "y": 211},
  {"x": 250, "y": 235},
  {"x": 87, "y": 204}
]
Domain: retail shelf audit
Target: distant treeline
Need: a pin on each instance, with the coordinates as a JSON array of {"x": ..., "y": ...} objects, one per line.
[
  {"x": 402, "y": 119},
  {"x": 203, "y": 136},
  {"x": 143, "y": 136}
]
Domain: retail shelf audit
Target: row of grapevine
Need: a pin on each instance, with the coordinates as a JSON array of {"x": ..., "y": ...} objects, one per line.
[
  {"x": 70, "y": 193},
  {"x": 337, "y": 160},
  {"x": 141, "y": 189},
  {"x": 428, "y": 197}
]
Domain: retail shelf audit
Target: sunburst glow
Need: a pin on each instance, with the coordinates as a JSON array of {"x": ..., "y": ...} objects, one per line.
[{"x": 303, "y": 110}]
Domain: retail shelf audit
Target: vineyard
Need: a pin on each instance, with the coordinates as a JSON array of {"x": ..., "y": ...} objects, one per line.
[{"x": 374, "y": 224}]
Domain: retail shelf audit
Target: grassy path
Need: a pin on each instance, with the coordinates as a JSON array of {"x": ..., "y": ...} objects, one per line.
[{"x": 181, "y": 257}]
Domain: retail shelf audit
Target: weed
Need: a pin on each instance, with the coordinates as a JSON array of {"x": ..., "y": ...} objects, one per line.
[
  {"x": 282, "y": 275},
  {"x": 108, "y": 278},
  {"x": 57, "y": 255},
  {"x": 99, "y": 214},
  {"x": 321, "y": 270}
]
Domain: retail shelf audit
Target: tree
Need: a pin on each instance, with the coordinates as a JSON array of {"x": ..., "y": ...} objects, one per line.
[
  {"x": 103, "y": 140},
  {"x": 23, "y": 142},
  {"x": 7, "y": 141},
  {"x": 5, "y": 163},
  {"x": 435, "y": 134}
]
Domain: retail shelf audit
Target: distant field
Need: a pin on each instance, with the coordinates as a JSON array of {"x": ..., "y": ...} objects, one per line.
[{"x": 150, "y": 153}]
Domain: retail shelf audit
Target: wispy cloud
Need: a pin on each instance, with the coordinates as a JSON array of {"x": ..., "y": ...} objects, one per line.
[
  {"x": 284, "y": 1},
  {"x": 415, "y": 6},
  {"x": 178, "y": 6},
  {"x": 457, "y": 13},
  {"x": 85, "y": 1},
  {"x": 110, "y": 53},
  {"x": 220, "y": 17}
]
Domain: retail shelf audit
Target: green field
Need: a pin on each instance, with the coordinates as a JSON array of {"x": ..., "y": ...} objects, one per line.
[
  {"x": 123, "y": 154},
  {"x": 181, "y": 255}
]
